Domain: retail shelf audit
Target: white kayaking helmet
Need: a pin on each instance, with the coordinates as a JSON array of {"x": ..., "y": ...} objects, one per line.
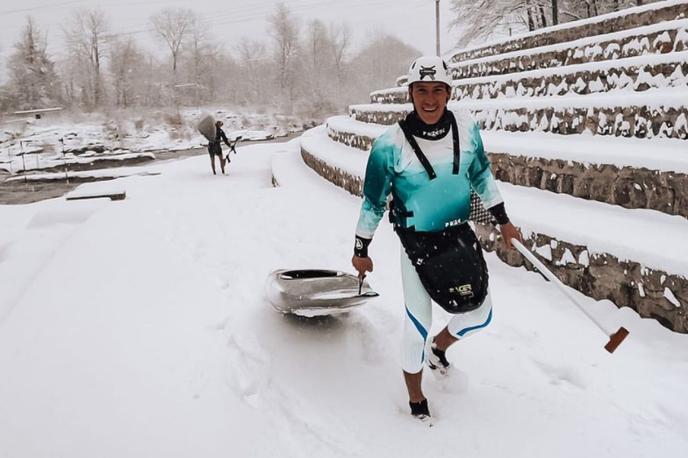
[{"x": 429, "y": 69}]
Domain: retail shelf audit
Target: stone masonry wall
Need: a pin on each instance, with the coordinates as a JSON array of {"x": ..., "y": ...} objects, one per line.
[
  {"x": 598, "y": 275},
  {"x": 660, "y": 42},
  {"x": 603, "y": 276},
  {"x": 628, "y": 121},
  {"x": 636, "y": 78},
  {"x": 616, "y": 23},
  {"x": 629, "y": 187}
]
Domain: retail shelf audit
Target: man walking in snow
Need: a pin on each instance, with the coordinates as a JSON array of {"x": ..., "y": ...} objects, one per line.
[
  {"x": 215, "y": 147},
  {"x": 429, "y": 163}
]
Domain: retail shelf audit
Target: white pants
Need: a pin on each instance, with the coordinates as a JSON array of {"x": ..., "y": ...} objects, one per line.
[{"x": 418, "y": 318}]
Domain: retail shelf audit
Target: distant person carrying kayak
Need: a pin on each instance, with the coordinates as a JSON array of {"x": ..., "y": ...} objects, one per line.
[
  {"x": 430, "y": 162},
  {"x": 215, "y": 147}
]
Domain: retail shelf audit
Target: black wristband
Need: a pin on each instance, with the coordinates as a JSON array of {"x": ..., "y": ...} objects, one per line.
[
  {"x": 499, "y": 213},
  {"x": 361, "y": 247}
]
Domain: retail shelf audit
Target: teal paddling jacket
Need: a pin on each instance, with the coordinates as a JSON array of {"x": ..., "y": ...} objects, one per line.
[{"x": 418, "y": 202}]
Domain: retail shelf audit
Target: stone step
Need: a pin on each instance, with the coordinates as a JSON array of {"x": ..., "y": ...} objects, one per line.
[
  {"x": 649, "y": 114},
  {"x": 613, "y": 170},
  {"x": 632, "y": 74},
  {"x": 617, "y": 21},
  {"x": 636, "y": 258},
  {"x": 661, "y": 38}
]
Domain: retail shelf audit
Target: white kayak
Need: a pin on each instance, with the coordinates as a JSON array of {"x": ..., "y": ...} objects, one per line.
[{"x": 314, "y": 292}]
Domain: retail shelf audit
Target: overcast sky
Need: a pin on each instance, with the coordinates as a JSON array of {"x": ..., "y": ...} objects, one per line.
[{"x": 413, "y": 21}]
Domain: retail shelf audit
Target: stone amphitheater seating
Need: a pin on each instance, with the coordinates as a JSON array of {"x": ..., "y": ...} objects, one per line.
[{"x": 586, "y": 125}]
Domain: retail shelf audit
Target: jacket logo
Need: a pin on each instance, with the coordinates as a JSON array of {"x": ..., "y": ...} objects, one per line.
[{"x": 427, "y": 71}]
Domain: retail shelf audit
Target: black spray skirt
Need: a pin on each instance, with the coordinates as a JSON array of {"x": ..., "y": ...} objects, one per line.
[{"x": 450, "y": 265}]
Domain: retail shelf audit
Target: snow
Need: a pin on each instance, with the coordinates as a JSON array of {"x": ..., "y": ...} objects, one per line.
[
  {"x": 669, "y": 295},
  {"x": 664, "y": 97},
  {"x": 596, "y": 225},
  {"x": 349, "y": 160},
  {"x": 677, "y": 79},
  {"x": 668, "y": 155},
  {"x": 566, "y": 258},
  {"x": 86, "y": 174},
  {"x": 138, "y": 328},
  {"x": 545, "y": 251},
  {"x": 44, "y": 140},
  {"x": 101, "y": 188},
  {"x": 589, "y": 45},
  {"x": 575, "y": 24}
]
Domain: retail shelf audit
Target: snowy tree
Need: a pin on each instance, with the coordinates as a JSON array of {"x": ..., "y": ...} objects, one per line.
[
  {"x": 254, "y": 66},
  {"x": 378, "y": 64},
  {"x": 173, "y": 26},
  {"x": 127, "y": 71},
  {"x": 86, "y": 40},
  {"x": 477, "y": 20},
  {"x": 284, "y": 32},
  {"x": 339, "y": 37},
  {"x": 33, "y": 82}
]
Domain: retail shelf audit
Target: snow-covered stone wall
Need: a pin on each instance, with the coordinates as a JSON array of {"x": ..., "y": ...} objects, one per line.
[
  {"x": 627, "y": 19},
  {"x": 640, "y": 121},
  {"x": 656, "y": 39},
  {"x": 628, "y": 187},
  {"x": 603, "y": 276},
  {"x": 633, "y": 74}
]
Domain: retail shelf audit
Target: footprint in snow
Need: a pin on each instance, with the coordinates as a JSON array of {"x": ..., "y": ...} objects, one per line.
[
  {"x": 561, "y": 375},
  {"x": 248, "y": 370}
]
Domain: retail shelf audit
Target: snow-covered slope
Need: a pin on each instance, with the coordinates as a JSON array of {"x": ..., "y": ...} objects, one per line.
[{"x": 138, "y": 328}]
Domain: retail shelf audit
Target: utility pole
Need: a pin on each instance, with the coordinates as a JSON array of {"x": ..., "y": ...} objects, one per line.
[{"x": 437, "y": 27}]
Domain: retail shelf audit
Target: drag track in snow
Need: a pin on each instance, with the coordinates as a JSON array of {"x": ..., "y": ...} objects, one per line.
[{"x": 140, "y": 328}]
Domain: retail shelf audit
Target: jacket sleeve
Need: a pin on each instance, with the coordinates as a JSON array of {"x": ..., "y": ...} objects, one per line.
[
  {"x": 224, "y": 138},
  {"x": 480, "y": 174},
  {"x": 377, "y": 185}
]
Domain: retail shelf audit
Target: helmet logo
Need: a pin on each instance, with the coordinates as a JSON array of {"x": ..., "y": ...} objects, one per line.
[{"x": 427, "y": 71}]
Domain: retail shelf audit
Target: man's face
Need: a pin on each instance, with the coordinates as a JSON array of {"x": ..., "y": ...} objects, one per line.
[{"x": 429, "y": 99}]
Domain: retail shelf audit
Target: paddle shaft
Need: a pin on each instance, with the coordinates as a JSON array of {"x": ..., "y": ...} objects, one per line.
[{"x": 615, "y": 337}]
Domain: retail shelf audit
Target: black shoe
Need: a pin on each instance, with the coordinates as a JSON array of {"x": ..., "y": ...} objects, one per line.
[
  {"x": 437, "y": 360},
  {"x": 420, "y": 410}
]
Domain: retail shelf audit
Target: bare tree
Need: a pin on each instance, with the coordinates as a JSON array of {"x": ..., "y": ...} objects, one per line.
[
  {"x": 339, "y": 36},
  {"x": 480, "y": 19},
  {"x": 284, "y": 32},
  {"x": 316, "y": 45},
  {"x": 86, "y": 40},
  {"x": 127, "y": 63},
  {"x": 253, "y": 61},
  {"x": 173, "y": 26}
]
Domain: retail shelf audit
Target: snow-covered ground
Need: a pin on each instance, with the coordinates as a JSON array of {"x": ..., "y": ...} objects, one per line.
[
  {"x": 139, "y": 328},
  {"x": 115, "y": 136}
]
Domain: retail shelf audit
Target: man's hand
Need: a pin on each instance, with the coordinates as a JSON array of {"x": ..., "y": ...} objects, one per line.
[
  {"x": 509, "y": 231},
  {"x": 362, "y": 265}
]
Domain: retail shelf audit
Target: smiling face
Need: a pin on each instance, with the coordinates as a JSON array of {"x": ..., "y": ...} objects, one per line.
[{"x": 429, "y": 100}]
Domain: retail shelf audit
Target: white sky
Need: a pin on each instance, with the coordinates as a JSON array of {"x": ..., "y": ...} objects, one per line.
[{"x": 413, "y": 21}]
